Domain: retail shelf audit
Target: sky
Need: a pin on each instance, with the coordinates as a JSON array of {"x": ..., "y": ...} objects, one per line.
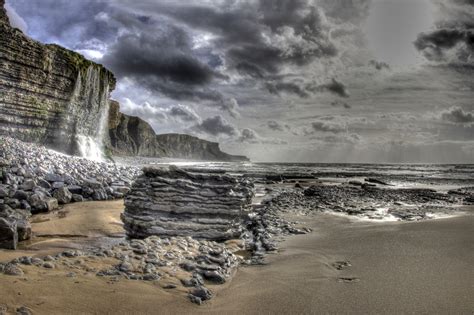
[{"x": 374, "y": 81}]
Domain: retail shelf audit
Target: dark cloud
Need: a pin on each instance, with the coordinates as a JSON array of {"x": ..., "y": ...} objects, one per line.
[
  {"x": 248, "y": 135},
  {"x": 257, "y": 39},
  {"x": 231, "y": 106},
  {"x": 457, "y": 115},
  {"x": 340, "y": 104},
  {"x": 335, "y": 87},
  {"x": 165, "y": 54},
  {"x": 379, "y": 65},
  {"x": 286, "y": 87},
  {"x": 183, "y": 113},
  {"x": 251, "y": 136},
  {"x": 453, "y": 39},
  {"x": 325, "y": 126},
  {"x": 305, "y": 90},
  {"x": 275, "y": 125},
  {"x": 216, "y": 126},
  {"x": 437, "y": 44}
]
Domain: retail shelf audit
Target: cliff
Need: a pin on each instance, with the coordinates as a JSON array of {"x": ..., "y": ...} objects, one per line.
[
  {"x": 48, "y": 94},
  {"x": 55, "y": 97},
  {"x": 131, "y": 135}
]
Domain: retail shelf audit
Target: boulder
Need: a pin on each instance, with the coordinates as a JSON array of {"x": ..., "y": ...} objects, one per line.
[
  {"x": 63, "y": 195},
  {"x": 28, "y": 185},
  {"x": 8, "y": 234},
  {"x": 52, "y": 204},
  {"x": 23, "y": 228}
]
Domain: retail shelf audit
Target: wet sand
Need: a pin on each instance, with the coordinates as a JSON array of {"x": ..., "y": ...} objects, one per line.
[{"x": 415, "y": 267}]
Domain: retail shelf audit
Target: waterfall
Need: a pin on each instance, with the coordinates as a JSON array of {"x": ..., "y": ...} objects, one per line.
[
  {"x": 89, "y": 148},
  {"x": 92, "y": 98}
]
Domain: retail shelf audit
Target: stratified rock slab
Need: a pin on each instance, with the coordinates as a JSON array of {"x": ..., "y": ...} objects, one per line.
[{"x": 172, "y": 202}]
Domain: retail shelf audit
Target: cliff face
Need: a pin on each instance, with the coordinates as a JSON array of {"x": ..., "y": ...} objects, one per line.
[
  {"x": 48, "y": 94},
  {"x": 133, "y": 136},
  {"x": 56, "y": 97},
  {"x": 189, "y": 147}
]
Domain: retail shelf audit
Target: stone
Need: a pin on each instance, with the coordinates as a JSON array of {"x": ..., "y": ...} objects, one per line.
[
  {"x": 37, "y": 261},
  {"x": 3, "y": 192},
  {"x": 20, "y": 195},
  {"x": 200, "y": 294},
  {"x": 52, "y": 204},
  {"x": 8, "y": 234},
  {"x": 77, "y": 198},
  {"x": 43, "y": 183},
  {"x": 37, "y": 203},
  {"x": 23, "y": 230},
  {"x": 14, "y": 203},
  {"x": 12, "y": 270},
  {"x": 57, "y": 185},
  {"x": 28, "y": 185},
  {"x": 23, "y": 310},
  {"x": 48, "y": 265},
  {"x": 52, "y": 177},
  {"x": 75, "y": 189},
  {"x": 214, "y": 276},
  {"x": 63, "y": 195},
  {"x": 25, "y": 205}
]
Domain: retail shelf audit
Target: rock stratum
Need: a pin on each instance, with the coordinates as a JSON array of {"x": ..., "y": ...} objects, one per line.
[
  {"x": 49, "y": 94},
  {"x": 173, "y": 202},
  {"x": 56, "y": 97}
]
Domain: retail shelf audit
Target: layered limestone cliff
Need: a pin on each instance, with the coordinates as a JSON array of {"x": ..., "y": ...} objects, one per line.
[
  {"x": 131, "y": 135},
  {"x": 48, "y": 94}
]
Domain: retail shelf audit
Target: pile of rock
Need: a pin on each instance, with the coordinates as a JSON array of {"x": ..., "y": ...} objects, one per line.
[
  {"x": 171, "y": 262},
  {"x": 34, "y": 179},
  {"x": 173, "y": 202}
]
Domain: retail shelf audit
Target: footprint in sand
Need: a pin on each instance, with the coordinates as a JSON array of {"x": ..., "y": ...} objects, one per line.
[
  {"x": 348, "y": 279},
  {"x": 340, "y": 265}
]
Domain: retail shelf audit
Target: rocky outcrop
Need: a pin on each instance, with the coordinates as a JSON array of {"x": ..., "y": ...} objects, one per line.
[
  {"x": 131, "y": 135},
  {"x": 49, "y": 94},
  {"x": 177, "y": 203}
]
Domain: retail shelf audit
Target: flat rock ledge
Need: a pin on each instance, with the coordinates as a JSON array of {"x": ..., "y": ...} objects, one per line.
[{"x": 173, "y": 202}]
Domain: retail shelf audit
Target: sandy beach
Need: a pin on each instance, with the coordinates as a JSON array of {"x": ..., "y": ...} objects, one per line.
[{"x": 416, "y": 267}]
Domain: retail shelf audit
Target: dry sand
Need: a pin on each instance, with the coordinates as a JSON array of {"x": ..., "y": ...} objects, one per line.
[{"x": 420, "y": 267}]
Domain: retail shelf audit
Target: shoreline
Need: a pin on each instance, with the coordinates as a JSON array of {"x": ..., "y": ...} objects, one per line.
[{"x": 395, "y": 267}]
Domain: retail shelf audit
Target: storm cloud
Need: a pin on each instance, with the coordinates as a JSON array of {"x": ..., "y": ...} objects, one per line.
[
  {"x": 254, "y": 74},
  {"x": 453, "y": 39},
  {"x": 325, "y": 126},
  {"x": 457, "y": 115},
  {"x": 216, "y": 126}
]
